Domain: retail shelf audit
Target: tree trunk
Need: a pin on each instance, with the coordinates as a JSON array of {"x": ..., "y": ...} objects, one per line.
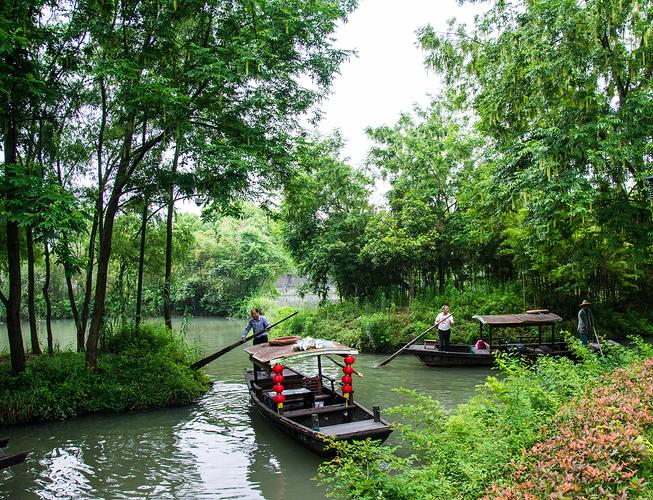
[
  {"x": 46, "y": 296},
  {"x": 16, "y": 348},
  {"x": 73, "y": 307},
  {"x": 88, "y": 290},
  {"x": 167, "y": 308},
  {"x": 101, "y": 282},
  {"x": 441, "y": 277},
  {"x": 141, "y": 265},
  {"x": 125, "y": 169},
  {"x": 12, "y": 302},
  {"x": 411, "y": 285},
  {"x": 31, "y": 303}
]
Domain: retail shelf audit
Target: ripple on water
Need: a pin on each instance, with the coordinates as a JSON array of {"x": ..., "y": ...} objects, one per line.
[{"x": 65, "y": 474}]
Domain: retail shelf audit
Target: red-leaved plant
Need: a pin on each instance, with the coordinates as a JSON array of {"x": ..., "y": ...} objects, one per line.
[{"x": 600, "y": 447}]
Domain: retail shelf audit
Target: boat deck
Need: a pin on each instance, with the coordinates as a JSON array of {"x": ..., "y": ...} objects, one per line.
[{"x": 352, "y": 427}]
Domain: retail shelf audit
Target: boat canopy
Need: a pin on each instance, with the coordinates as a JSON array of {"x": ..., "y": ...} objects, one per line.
[
  {"x": 264, "y": 354},
  {"x": 516, "y": 320},
  {"x": 534, "y": 318}
]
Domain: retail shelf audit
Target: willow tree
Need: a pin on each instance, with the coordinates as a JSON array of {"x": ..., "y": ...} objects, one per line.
[{"x": 563, "y": 89}]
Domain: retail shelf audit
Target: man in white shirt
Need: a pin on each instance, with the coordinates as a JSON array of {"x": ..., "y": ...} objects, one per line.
[{"x": 444, "y": 320}]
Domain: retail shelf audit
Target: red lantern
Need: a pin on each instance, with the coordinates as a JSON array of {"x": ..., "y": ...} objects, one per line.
[
  {"x": 348, "y": 370},
  {"x": 279, "y": 398},
  {"x": 347, "y": 380},
  {"x": 277, "y": 379},
  {"x": 278, "y": 369},
  {"x": 347, "y": 389},
  {"x": 278, "y": 388},
  {"x": 350, "y": 360}
]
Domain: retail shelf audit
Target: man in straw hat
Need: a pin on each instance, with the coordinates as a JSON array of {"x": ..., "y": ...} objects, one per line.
[{"x": 585, "y": 321}]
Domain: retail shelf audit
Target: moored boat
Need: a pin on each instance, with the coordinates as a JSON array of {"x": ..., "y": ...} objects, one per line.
[
  {"x": 311, "y": 410},
  {"x": 9, "y": 460},
  {"x": 528, "y": 346}
]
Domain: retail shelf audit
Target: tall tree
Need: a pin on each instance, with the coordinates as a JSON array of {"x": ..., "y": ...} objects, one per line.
[
  {"x": 325, "y": 210},
  {"x": 425, "y": 158},
  {"x": 20, "y": 39},
  {"x": 227, "y": 72},
  {"x": 563, "y": 89}
]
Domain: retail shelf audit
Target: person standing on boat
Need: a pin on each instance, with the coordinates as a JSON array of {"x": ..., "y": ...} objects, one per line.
[
  {"x": 259, "y": 324},
  {"x": 585, "y": 322},
  {"x": 444, "y": 320}
]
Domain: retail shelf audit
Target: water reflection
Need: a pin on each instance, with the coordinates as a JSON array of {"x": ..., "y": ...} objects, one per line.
[{"x": 219, "y": 447}]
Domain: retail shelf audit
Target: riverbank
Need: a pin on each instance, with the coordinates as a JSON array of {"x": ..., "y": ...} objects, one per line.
[
  {"x": 381, "y": 326},
  {"x": 558, "y": 428},
  {"x": 135, "y": 371}
]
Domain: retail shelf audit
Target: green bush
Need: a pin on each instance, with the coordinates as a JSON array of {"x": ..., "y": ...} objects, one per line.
[
  {"x": 145, "y": 370},
  {"x": 460, "y": 453}
]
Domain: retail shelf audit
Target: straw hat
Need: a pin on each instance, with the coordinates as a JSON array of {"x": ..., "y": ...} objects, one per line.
[{"x": 585, "y": 303}]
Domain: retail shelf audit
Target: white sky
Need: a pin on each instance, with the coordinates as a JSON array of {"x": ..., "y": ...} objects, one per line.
[{"x": 388, "y": 75}]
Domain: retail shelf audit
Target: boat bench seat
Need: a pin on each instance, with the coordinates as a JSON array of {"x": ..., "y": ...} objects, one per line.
[
  {"x": 298, "y": 396},
  {"x": 318, "y": 410},
  {"x": 431, "y": 344}
]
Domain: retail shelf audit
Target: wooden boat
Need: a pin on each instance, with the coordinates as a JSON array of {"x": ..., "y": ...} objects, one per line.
[
  {"x": 529, "y": 346},
  {"x": 9, "y": 460},
  {"x": 313, "y": 411}
]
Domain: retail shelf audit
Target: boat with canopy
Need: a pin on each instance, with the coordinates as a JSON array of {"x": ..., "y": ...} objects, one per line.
[
  {"x": 311, "y": 409},
  {"x": 525, "y": 343}
]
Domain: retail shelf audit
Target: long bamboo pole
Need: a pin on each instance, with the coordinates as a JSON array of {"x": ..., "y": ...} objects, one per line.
[
  {"x": 205, "y": 361},
  {"x": 393, "y": 356}
]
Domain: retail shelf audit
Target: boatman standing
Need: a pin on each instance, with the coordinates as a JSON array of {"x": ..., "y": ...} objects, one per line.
[
  {"x": 585, "y": 322},
  {"x": 444, "y": 320},
  {"x": 260, "y": 326}
]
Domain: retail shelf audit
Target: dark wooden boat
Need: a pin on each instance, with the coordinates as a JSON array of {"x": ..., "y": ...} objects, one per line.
[
  {"x": 313, "y": 411},
  {"x": 9, "y": 460},
  {"x": 528, "y": 346}
]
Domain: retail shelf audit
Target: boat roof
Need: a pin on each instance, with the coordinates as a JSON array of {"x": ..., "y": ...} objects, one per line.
[
  {"x": 508, "y": 320},
  {"x": 266, "y": 353}
]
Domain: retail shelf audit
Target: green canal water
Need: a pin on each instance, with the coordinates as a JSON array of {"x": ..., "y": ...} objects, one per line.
[{"x": 219, "y": 447}]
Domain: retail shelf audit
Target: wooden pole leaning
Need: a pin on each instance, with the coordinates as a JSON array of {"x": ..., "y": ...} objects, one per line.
[
  {"x": 205, "y": 361},
  {"x": 598, "y": 342},
  {"x": 393, "y": 356}
]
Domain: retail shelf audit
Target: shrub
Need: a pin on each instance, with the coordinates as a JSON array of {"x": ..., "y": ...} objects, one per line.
[
  {"x": 147, "y": 370},
  {"x": 601, "y": 447},
  {"x": 460, "y": 453}
]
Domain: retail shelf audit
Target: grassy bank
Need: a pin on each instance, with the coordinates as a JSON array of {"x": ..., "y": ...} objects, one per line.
[
  {"x": 558, "y": 427},
  {"x": 380, "y": 326},
  {"x": 148, "y": 370}
]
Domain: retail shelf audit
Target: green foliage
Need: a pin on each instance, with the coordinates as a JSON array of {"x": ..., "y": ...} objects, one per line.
[
  {"x": 324, "y": 213},
  {"x": 233, "y": 261},
  {"x": 145, "y": 370},
  {"x": 425, "y": 158},
  {"x": 366, "y": 475},
  {"x": 461, "y": 452},
  {"x": 601, "y": 446},
  {"x": 558, "y": 89},
  {"x": 380, "y": 330}
]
